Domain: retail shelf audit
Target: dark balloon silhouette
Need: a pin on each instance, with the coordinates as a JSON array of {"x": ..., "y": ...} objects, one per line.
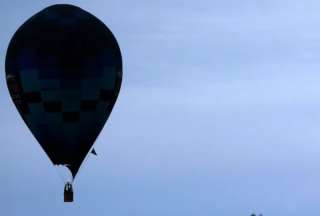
[{"x": 64, "y": 72}]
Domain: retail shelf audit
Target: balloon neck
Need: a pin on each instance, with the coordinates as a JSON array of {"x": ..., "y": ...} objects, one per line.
[{"x": 68, "y": 192}]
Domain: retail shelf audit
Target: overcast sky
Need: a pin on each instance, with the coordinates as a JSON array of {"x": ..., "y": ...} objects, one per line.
[{"x": 218, "y": 115}]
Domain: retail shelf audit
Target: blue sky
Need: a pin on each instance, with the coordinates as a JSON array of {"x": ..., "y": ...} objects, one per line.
[{"x": 218, "y": 114}]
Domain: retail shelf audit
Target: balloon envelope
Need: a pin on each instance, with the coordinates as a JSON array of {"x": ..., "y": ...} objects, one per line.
[{"x": 64, "y": 72}]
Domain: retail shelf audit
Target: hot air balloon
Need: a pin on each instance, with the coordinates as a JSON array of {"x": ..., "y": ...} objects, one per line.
[{"x": 64, "y": 71}]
